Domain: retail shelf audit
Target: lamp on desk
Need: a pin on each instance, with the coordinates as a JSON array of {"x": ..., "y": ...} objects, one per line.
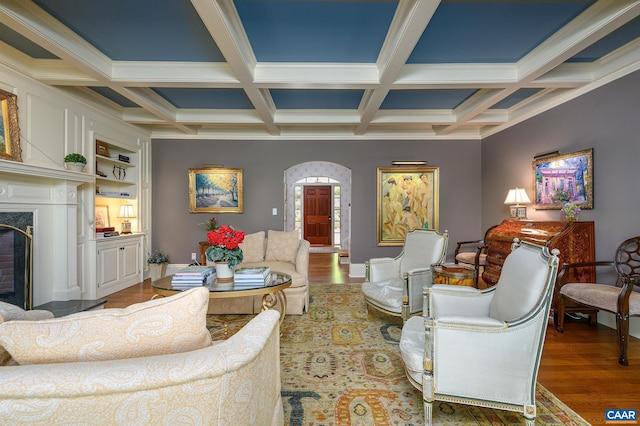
[
  {"x": 126, "y": 213},
  {"x": 516, "y": 197}
]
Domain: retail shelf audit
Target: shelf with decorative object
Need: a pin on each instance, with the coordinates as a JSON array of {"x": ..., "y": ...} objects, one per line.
[{"x": 115, "y": 171}]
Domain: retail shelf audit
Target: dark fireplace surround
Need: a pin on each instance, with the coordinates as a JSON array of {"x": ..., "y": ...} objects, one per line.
[{"x": 16, "y": 258}]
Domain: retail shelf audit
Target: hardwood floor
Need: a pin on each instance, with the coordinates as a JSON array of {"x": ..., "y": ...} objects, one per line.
[{"x": 579, "y": 366}]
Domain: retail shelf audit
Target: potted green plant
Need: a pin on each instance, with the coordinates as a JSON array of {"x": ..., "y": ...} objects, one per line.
[
  {"x": 75, "y": 162},
  {"x": 157, "y": 265}
]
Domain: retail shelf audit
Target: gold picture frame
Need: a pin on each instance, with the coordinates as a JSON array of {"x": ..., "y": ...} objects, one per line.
[
  {"x": 215, "y": 190},
  {"x": 408, "y": 198},
  {"x": 9, "y": 130}
]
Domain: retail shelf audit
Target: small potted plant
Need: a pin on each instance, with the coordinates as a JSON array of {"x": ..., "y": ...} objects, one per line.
[
  {"x": 157, "y": 265},
  {"x": 225, "y": 251},
  {"x": 75, "y": 162},
  {"x": 571, "y": 211}
]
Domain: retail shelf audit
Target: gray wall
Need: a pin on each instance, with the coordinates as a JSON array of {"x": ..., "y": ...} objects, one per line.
[
  {"x": 607, "y": 120},
  {"x": 176, "y": 231},
  {"x": 474, "y": 176}
]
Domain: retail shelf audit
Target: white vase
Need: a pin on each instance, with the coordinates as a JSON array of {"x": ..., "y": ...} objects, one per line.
[
  {"x": 157, "y": 271},
  {"x": 76, "y": 167},
  {"x": 224, "y": 274}
]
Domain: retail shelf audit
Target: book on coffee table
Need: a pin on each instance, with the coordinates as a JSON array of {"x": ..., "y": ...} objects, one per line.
[{"x": 254, "y": 274}]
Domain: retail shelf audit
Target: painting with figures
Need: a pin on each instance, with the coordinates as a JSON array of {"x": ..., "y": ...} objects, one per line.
[{"x": 407, "y": 200}]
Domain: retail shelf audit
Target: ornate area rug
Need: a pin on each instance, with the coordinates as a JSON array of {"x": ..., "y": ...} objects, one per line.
[{"x": 342, "y": 366}]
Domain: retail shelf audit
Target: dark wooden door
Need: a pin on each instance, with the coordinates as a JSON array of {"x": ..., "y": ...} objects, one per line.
[{"x": 317, "y": 214}]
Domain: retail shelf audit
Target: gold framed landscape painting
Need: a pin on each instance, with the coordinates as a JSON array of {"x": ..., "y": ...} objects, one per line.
[
  {"x": 407, "y": 200},
  {"x": 215, "y": 190}
]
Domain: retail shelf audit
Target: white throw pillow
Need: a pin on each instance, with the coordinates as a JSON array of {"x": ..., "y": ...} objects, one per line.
[
  {"x": 282, "y": 246},
  {"x": 165, "y": 325},
  {"x": 253, "y": 247}
]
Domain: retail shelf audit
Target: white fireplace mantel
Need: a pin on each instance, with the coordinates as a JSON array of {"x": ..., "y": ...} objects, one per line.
[
  {"x": 40, "y": 172},
  {"x": 51, "y": 194}
]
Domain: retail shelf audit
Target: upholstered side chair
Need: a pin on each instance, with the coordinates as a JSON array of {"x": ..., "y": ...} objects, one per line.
[
  {"x": 473, "y": 253},
  {"x": 621, "y": 298},
  {"x": 394, "y": 285},
  {"x": 483, "y": 347}
]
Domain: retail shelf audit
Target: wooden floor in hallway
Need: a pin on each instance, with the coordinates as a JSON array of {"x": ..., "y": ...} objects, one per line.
[{"x": 579, "y": 366}]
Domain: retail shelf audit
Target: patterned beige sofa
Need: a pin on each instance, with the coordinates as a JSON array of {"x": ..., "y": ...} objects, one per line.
[
  {"x": 283, "y": 252},
  {"x": 169, "y": 372}
]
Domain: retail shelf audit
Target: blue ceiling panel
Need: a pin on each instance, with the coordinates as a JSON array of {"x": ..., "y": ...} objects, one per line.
[
  {"x": 491, "y": 32},
  {"x": 206, "y": 98},
  {"x": 120, "y": 29},
  {"x": 115, "y": 97},
  {"x": 23, "y": 44},
  {"x": 316, "y": 99},
  {"x": 608, "y": 44},
  {"x": 316, "y": 31},
  {"x": 426, "y": 99},
  {"x": 515, "y": 98}
]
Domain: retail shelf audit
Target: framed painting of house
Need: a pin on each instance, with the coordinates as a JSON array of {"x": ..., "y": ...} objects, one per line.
[
  {"x": 407, "y": 199},
  {"x": 562, "y": 179},
  {"x": 215, "y": 190}
]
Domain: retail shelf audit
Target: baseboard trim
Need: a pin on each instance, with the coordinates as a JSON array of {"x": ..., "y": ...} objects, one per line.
[{"x": 357, "y": 270}]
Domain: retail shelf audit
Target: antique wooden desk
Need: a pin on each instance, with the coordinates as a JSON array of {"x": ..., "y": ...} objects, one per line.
[{"x": 575, "y": 240}]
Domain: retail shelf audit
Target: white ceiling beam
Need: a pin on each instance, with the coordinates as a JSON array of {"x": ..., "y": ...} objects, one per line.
[
  {"x": 592, "y": 25},
  {"x": 455, "y": 75},
  {"x": 421, "y": 116},
  {"x": 595, "y": 23},
  {"x": 217, "y": 116},
  {"x": 36, "y": 25},
  {"x": 154, "y": 103},
  {"x": 28, "y": 20},
  {"x": 224, "y": 25},
  {"x": 174, "y": 74},
  {"x": 407, "y": 26},
  {"x": 287, "y": 75},
  {"x": 318, "y": 116}
]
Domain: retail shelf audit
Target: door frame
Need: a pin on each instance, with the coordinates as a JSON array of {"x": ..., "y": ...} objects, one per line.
[
  {"x": 331, "y": 215},
  {"x": 334, "y": 171}
]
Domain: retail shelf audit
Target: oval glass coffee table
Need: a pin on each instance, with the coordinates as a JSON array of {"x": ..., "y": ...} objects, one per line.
[{"x": 271, "y": 293}]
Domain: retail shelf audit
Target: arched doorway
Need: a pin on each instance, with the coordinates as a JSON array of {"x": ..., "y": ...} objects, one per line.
[{"x": 320, "y": 172}]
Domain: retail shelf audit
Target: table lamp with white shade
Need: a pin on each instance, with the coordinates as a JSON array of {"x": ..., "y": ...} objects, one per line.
[
  {"x": 516, "y": 197},
  {"x": 126, "y": 213}
]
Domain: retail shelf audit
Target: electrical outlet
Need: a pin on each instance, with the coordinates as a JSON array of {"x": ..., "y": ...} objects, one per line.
[{"x": 193, "y": 257}]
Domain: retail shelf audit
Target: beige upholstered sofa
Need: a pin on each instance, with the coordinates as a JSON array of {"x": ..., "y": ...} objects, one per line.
[
  {"x": 161, "y": 376},
  {"x": 283, "y": 252}
]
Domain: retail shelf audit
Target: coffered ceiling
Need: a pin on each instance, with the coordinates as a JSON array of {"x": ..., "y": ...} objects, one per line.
[{"x": 322, "y": 69}]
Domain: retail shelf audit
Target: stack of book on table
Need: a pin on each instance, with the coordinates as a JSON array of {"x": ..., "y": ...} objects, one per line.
[
  {"x": 251, "y": 277},
  {"x": 193, "y": 276}
]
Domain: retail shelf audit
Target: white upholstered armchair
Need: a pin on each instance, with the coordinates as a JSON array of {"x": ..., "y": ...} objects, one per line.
[
  {"x": 394, "y": 286},
  {"x": 483, "y": 347}
]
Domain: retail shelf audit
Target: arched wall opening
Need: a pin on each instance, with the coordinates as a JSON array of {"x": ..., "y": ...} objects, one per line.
[{"x": 298, "y": 176}]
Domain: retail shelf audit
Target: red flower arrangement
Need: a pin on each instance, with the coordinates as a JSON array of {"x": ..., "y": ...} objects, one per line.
[{"x": 225, "y": 245}]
